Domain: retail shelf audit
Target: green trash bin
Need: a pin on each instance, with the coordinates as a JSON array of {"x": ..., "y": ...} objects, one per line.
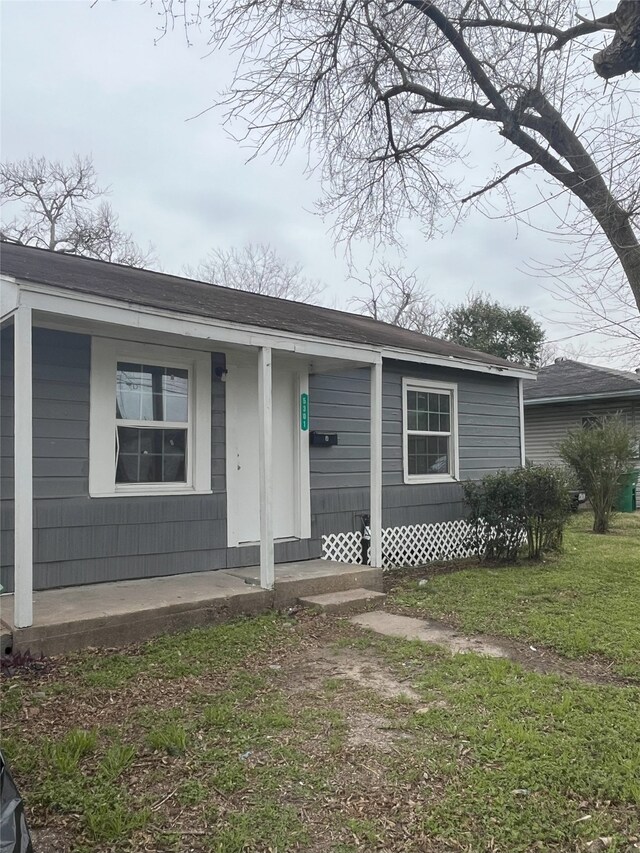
[{"x": 626, "y": 500}]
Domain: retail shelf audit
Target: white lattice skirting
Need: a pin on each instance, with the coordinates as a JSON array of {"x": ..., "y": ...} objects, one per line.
[{"x": 411, "y": 545}]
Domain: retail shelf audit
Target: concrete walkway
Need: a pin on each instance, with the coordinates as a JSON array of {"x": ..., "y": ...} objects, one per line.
[
  {"x": 408, "y": 628},
  {"x": 114, "y": 614}
]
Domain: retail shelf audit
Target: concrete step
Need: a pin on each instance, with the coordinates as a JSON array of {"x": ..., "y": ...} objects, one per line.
[{"x": 344, "y": 601}]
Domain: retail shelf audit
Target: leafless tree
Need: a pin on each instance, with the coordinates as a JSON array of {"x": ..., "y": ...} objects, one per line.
[
  {"x": 391, "y": 98},
  {"x": 258, "y": 268},
  {"x": 58, "y": 209},
  {"x": 601, "y": 307},
  {"x": 550, "y": 351},
  {"x": 395, "y": 296}
]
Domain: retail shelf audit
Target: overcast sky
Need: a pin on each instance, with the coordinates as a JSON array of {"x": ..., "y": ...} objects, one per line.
[{"x": 90, "y": 80}]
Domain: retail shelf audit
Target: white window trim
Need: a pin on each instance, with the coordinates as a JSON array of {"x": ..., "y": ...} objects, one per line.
[
  {"x": 410, "y": 384},
  {"x": 105, "y": 354}
]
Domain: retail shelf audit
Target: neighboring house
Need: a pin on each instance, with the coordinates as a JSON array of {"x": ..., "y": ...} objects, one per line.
[
  {"x": 164, "y": 425},
  {"x": 570, "y": 395}
]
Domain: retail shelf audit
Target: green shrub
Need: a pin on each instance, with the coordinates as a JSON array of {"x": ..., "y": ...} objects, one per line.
[
  {"x": 547, "y": 506},
  {"x": 497, "y": 518},
  {"x": 600, "y": 457},
  {"x": 531, "y": 503}
]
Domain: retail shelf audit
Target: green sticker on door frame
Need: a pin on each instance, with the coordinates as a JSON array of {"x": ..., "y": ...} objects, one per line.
[{"x": 304, "y": 411}]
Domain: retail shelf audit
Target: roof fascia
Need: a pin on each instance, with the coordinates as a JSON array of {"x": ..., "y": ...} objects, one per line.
[
  {"x": 100, "y": 309},
  {"x": 9, "y": 297},
  {"x": 578, "y": 398},
  {"x": 459, "y": 363}
]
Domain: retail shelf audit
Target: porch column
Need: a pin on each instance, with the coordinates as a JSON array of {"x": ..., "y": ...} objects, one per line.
[
  {"x": 265, "y": 452},
  {"x": 376, "y": 466},
  {"x": 23, "y": 474},
  {"x": 523, "y": 455}
]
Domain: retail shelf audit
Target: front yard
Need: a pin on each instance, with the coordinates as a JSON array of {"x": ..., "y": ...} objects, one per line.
[
  {"x": 584, "y": 603},
  {"x": 277, "y": 734}
]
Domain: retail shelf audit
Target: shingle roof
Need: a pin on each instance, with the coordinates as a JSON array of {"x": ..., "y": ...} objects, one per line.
[
  {"x": 172, "y": 293},
  {"x": 569, "y": 378}
]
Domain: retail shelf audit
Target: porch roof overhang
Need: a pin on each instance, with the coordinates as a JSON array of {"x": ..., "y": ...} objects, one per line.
[
  {"x": 78, "y": 311},
  {"x": 87, "y": 313}
]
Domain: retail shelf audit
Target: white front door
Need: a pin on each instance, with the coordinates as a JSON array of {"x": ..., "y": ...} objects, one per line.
[{"x": 291, "y": 514}]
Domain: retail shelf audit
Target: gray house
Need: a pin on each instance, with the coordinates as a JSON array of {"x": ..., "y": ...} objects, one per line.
[
  {"x": 571, "y": 395},
  {"x": 153, "y": 425}
]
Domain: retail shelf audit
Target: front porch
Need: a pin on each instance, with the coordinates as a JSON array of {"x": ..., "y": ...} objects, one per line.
[
  {"x": 121, "y": 612},
  {"x": 242, "y": 440}
]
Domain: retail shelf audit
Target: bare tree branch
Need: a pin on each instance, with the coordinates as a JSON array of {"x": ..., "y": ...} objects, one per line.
[
  {"x": 492, "y": 184},
  {"x": 386, "y": 97},
  {"x": 57, "y": 211},
  {"x": 259, "y": 269},
  {"x": 392, "y": 295}
]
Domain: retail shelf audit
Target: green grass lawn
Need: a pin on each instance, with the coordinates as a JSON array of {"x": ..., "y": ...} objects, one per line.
[
  {"x": 236, "y": 738},
  {"x": 582, "y": 603}
]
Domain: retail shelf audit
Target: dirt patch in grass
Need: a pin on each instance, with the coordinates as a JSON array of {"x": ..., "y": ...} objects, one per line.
[
  {"x": 312, "y": 735},
  {"x": 362, "y": 668}
]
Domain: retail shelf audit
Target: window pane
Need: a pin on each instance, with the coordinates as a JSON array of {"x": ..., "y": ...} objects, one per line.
[
  {"x": 591, "y": 422},
  {"x": 428, "y": 411},
  {"x": 148, "y": 393},
  {"x": 428, "y": 454},
  {"x": 151, "y": 455},
  {"x": 417, "y": 410},
  {"x": 174, "y": 389}
]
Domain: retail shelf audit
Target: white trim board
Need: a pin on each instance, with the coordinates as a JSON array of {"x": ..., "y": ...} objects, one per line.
[
  {"x": 458, "y": 363},
  {"x": 523, "y": 455},
  {"x": 50, "y": 300},
  {"x": 105, "y": 354},
  {"x": 23, "y": 461},
  {"x": 409, "y": 383},
  {"x": 92, "y": 307}
]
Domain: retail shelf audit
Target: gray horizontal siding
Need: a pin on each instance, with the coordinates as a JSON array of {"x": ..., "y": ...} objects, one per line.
[
  {"x": 78, "y": 539},
  {"x": 488, "y": 437},
  {"x": 547, "y": 425},
  {"x": 488, "y": 424},
  {"x": 340, "y": 403},
  {"x": 338, "y": 511}
]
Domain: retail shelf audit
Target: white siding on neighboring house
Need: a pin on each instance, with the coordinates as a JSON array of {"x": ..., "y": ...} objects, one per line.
[{"x": 546, "y": 425}]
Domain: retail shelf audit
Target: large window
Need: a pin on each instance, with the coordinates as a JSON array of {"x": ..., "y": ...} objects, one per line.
[
  {"x": 152, "y": 423},
  {"x": 150, "y": 420},
  {"x": 430, "y": 442}
]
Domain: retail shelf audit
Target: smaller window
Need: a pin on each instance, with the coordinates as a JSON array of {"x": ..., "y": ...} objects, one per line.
[
  {"x": 430, "y": 446},
  {"x": 592, "y": 422}
]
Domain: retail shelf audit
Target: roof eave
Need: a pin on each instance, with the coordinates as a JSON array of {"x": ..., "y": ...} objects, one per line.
[
  {"x": 43, "y": 297},
  {"x": 450, "y": 361},
  {"x": 578, "y": 398}
]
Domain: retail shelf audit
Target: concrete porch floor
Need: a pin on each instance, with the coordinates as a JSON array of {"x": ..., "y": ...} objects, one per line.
[{"x": 114, "y": 614}]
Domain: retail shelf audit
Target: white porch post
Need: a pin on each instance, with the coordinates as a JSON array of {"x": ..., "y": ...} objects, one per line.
[
  {"x": 376, "y": 466},
  {"x": 265, "y": 449},
  {"x": 523, "y": 455},
  {"x": 23, "y": 476}
]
